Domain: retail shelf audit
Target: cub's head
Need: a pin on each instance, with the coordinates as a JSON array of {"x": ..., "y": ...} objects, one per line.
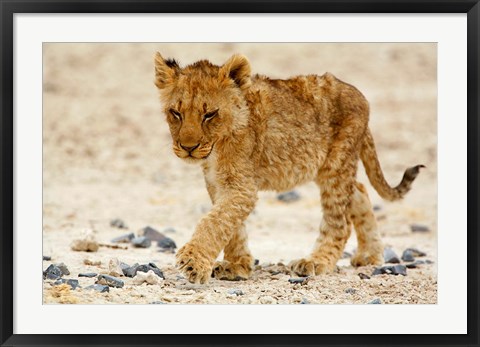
[{"x": 203, "y": 103}]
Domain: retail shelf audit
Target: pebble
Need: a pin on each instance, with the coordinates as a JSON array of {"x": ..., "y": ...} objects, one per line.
[
  {"x": 416, "y": 252},
  {"x": 375, "y": 302},
  {"x": 110, "y": 281},
  {"x": 118, "y": 223},
  {"x": 151, "y": 234},
  {"x": 71, "y": 282},
  {"x": 304, "y": 301},
  {"x": 63, "y": 268},
  {"x": 391, "y": 270},
  {"x": 169, "y": 230},
  {"x": 256, "y": 262},
  {"x": 92, "y": 262},
  {"x": 288, "y": 196},
  {"x": 132, "y": 271},
  {"x": 363, "y": 276},
  {"x": 350, "y": 291},
  {"x": 377, "y": 208},
  {"x": 150, "y": 277},
  {"x": 114, "y": 268},
  {"x": 390, "y": 256},
  {"x": 166, "y": 244},
  {"x": 47, "y": 258},
  {"x": 85, "y": 244},
  {"x": 236, "y": 292},
  {"x": 141, "y": 242},
  {"x": 52, "y": 272},
  {"x": 297, "y": 279},
  {"x": 419, "y": 228},
  {"x": 158, "y": 303},
  {"x": 415, "y": 264},
  {"x": 408, "y": 255},
  {"x": 87, "y": 274},
  {"x": 125, "y": 238},
  {"x": 99, "y": 288}
]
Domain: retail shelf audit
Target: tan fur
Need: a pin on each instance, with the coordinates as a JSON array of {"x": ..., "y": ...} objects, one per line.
[{"x": 252, "y": 133}]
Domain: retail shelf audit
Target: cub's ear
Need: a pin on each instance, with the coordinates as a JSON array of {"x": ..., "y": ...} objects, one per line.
[
  {"x": 165, "y": 71},
  {"x": 237, "y": 68}
]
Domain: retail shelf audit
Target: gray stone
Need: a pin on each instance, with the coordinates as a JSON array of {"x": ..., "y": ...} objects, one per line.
[
  {"x": 377, "y": 208},
  {"x": 399, "y": 270},
  {"x": 125, "y": 238},
  {"x": 391, "y": 270},
  {"x": 416, "y": 253},
  {"x": 390, "y": 256},
  {"x": 118, "y": 223},
  {"x": 47, "y": 258},
  {"x": 297, "y": 279},
  {"x": 110, "y": 281},
  {"x": 304, "y": 301},
  {"x": 408, "y": 255},
  {"x": 99, "y": 288},
  {"x": 236, "y": 292},
  {"x": 132, "y": 271},
  {"x": 158, "y": 303},
  {"x": 346, "y": 255},
  {"x": 375, "y": 302},
  {"x": 152, "y": 234},
  {"x": 167, "y": 244},
  {"x": 256, "y": 262},
  {"x": 71, "y": 282},
  {"x": 52, "y": 272},
  {"x": 87, "y": 274},
  {"x": 363, "y": 276},
  {"x": 288, "y": 197},
  {"x": 419, "y": 228},
  {"x": 63, "y": 268},
  {"x": 350, "y": 291},
  {"x": 141, "y": 242}
]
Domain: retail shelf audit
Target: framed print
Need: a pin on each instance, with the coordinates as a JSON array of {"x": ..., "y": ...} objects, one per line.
[{"x": 274, "y": 172}]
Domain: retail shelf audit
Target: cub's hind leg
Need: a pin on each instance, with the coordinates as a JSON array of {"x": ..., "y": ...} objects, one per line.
[
  {"x": 237, "y": 262},
  {"x": 370, "y": 246}
]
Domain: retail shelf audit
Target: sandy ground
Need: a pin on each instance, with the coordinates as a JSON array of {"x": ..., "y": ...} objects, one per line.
[{"x": 107, "y": 155}]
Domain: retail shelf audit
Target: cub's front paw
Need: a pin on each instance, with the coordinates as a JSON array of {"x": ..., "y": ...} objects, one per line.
[
  {"x": 310, "y": 267},
  {"x": 225, "y": 270},
  {"x": 196, "y": 266}
]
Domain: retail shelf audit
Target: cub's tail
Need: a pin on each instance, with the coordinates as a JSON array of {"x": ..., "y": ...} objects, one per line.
[{"x": 370, "y": 161}]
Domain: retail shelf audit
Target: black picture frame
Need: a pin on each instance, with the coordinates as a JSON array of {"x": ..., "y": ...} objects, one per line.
[{"x": 10, "y": 7}]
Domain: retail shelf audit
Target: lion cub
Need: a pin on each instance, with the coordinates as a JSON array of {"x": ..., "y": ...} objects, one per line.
[{"x": 252, "y": 133}]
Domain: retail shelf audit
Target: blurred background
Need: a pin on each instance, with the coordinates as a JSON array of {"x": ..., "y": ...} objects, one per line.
[{"x": 107, "y": 150}]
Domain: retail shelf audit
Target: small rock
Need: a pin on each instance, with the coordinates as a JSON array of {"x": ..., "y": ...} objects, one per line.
[
  {"x": 375, "y": 302},
  {"x": 125, "y": 238},
  {"x": 416, "y": 252},
  {"x": 92, "y": 262},
  {"x": 304, "y": 301},
  {"x": 169, "y": 230},
  {"x": 132, "y": 271},
  {"x": 71, "y": 282},
  {"x": 297, "y": 279},
  {"x": 428, "y": 262},
  {"x": 377, "y": 208},
  {"x": 87, "y": 274},
  {"x": 391, "y": 270},
  {"x": 110, "y": 281},
  {"x": 141, "y": 242},
  {"x": 390, "y": 256},
  {"x": 274, "y": 272},
  {"x": 158, "y": 303},
  {"x": 363, "y": 276},
  {"x": 150, "y": 277},
  {"x": 124, "y": 266},
  {"x": 64, "y": 268},
  {"x": 52, "y": 272},
  {"x": 236, "y": 292},
  {"x": 288, "y": 196},
  {"x": 256, "y": 262},
  {"x": 151, "y": 234},
  {"x": 85, "y": 244},
  {"x": 346, "y": 255},
  {"x": 118, "y": 223},
  {"x": 419, "y": 228},
  {"x": 114, "y": 268},
  {"x": 408, "y": 255},
  {"x": 99, "y": 288},
  {"x": 166, "y": 244},
  {"x": 47, "y": 258},
  {"x": 350, "y": 291}
]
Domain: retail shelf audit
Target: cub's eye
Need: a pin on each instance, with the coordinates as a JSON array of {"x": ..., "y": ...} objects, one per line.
[
  {"x": 175, "y": 113},
  {"x": 210, "y": 115}
]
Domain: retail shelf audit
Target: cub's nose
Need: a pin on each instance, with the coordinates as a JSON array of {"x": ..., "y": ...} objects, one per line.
[{"x": 189, "y": 149}]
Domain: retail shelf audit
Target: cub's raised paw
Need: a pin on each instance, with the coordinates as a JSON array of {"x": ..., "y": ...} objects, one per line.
[
  {"x": 309, "y": 267},
  {"x": 193, "y": 264},
  {"x": 225, "y": 270},
  {"x": 361, "y": 259}
]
